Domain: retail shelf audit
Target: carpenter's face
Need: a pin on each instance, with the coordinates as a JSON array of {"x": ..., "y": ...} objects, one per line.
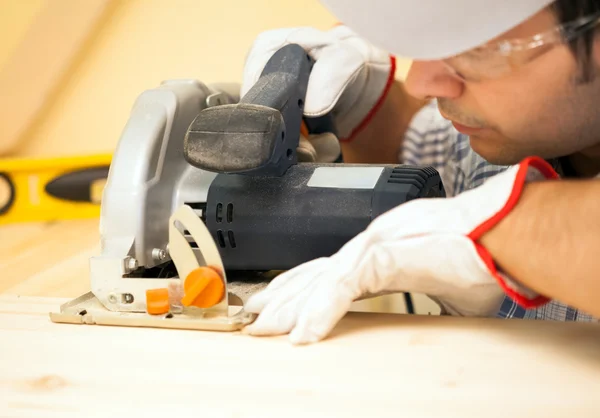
[{"x": 539, "y": 109}]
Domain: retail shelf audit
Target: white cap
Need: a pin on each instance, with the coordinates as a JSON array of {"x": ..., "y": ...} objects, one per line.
[{"x": 432, "y": 29}]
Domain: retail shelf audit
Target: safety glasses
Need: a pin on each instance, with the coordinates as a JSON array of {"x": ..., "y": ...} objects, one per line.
[{"x": 497, "y": 59}]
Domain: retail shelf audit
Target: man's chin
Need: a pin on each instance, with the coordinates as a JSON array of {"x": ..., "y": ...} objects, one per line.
[{"x": 493, "y": 152}]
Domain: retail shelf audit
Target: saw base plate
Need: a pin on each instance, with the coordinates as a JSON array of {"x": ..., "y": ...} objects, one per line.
[{"x": 87, "y": 310}]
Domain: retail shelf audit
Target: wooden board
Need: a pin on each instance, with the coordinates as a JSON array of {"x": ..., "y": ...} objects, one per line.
[
  {"x": 47, "y": 259},
  {"x": 375, "y": 365}
]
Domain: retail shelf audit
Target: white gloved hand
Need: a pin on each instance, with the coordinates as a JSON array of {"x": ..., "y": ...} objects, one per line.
[
  {"x": 350, "y": 76},
  {"x": 428, "y": 246}
]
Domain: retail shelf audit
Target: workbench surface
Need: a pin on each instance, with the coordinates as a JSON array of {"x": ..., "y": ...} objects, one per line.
[
  {"x": 374, "y": 365},
  {"x": 47, "y": 258}
]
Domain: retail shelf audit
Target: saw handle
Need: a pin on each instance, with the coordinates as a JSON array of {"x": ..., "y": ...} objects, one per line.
[
  {"x": 260, "y": 134},
  {"x": 289, "y": 60}
]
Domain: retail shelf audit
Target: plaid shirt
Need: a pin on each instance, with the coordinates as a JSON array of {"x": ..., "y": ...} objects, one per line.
[{"x": 431, "y": 140}]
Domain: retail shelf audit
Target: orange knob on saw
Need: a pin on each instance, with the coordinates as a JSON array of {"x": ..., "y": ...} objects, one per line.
[
  {"x": 157, "y": 301},
  {"x": 203, "y": 288}
]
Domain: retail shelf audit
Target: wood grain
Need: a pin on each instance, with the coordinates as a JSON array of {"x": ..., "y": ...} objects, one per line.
[
  {"x": 376, "y": 365},
  {"x": 47, "y": 259}
]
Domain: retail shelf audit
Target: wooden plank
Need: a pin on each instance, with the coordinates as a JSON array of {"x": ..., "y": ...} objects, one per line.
[
  {"x": 33, "y": 72},
  {"x": 374, "y": 365},
  {"x": 47, "y": 259}
]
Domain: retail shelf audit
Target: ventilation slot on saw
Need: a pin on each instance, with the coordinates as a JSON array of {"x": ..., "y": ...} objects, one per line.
[
  {"x": 230, "y": 213},
  {"x": 219, "y": 213},
  {"x": 231, "y": 239},
  {"x": 221, "y": 238},
  {"x": 406, "y": 175}
]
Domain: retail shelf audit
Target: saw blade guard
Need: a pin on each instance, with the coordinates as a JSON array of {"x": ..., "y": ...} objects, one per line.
[{"x": 148, "y": 181}]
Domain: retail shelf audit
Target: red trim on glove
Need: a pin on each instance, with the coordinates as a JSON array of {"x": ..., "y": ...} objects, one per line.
[
  {"x": 520, "y": 180},
  {"x": 517, "y": 297},
  {"x": 542, "y": 166},
  {"x": 379, "y": 103}
]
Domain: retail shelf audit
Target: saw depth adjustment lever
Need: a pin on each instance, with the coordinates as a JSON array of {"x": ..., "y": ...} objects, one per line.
[{"x": 260, "y": 134}]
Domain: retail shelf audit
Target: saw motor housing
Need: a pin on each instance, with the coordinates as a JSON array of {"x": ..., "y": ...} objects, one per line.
[{"x": 264, "y": 209}]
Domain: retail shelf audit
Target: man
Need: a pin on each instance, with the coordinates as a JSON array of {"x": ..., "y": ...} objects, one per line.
[{"x": 503, "y": 99}]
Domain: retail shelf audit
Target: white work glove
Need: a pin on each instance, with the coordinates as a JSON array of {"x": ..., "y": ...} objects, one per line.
[
  {"x": 350, "y": 77},
  {"x": 428, "y": 246}
]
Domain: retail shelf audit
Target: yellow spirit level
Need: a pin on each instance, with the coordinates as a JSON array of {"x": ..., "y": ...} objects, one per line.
[{"x": 48, "y": 189}]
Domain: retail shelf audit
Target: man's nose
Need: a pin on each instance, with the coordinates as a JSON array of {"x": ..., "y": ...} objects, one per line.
[{"x": 431, "y": 79}]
